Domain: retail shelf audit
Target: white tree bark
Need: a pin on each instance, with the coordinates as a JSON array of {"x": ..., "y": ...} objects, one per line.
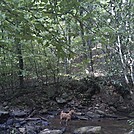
[
  {"x": 122, "y": 60},
  {"x": 132, "y": 71}
]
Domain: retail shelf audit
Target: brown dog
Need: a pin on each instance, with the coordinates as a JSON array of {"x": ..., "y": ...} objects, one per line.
[{"x": 66, "y": 116}]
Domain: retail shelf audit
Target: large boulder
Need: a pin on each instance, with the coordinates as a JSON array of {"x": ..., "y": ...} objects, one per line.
[{"x": 89, "y": 130}]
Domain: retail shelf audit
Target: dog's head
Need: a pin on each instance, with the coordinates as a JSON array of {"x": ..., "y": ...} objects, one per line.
[{"x": 72, "y": 112}]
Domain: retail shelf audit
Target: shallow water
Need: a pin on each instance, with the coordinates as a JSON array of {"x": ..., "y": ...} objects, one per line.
[{"x": 109, "y": 126}]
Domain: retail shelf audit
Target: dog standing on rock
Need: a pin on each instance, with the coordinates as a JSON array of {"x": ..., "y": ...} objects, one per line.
[{"x": 66, "y": 116}]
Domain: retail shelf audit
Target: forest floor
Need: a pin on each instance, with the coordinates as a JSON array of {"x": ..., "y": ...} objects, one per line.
[{"x": 94, "y": 93}]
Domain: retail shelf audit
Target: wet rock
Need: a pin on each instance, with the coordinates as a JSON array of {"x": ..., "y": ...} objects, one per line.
[
  {"x": 131, "y": 132},
  {"x": 4, "y": 115},
  {"x": 122, "y": 118},
  {"x": 19, "y": 113},
  {"x": 89, "y": 130},
  {"x": 22, "y": 130},
  {"x": 5, "y": 104},
  {"x": 32, "y": 119},
  {"x": 123, "y": 109},
  {"x": 10, "y": 122},
  {"x": 79, "y": 113},
  {"x": 92, "y": 115},
  {"x": 53, "y": 112},
  {"x": 3, "y": 127},
  {"x": 100, "y": 112},
  {"x": 61, "y": 100},
  {"x": 15, "y": 122},
  {"x": 47, "y": 131},
  {"x": 41, "y": 122},
  {"x": 31, "y": 130},
  {"x": 82, "y": 118},
  {"x": 113, "y": 109},
  {"x": 111, "y": 116},
  {"x": 131, "y": 115},
  {"x": 102, "y": 106},
  {"x": 43, "y": 111}
]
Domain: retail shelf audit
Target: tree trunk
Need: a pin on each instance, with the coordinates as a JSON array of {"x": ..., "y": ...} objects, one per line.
[
  {"x": 66, "y": 60},
  {"x": 90, "y": 57},
  {"x": 21, "y": 65},
  {"x": 132, "y": 71},
  {"x": 122, "y": 61}
]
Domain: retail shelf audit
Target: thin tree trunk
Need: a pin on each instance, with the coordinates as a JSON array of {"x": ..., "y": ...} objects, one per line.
[
  {"x": 131, "y": 70},
  {"x": 21, "y": 65},
  {"x": 90, "y": 57},
  {"x": 82, "y": 27},
  {"x": 35, "y": 64},
  {"x": 82, "y": 34},
  {"x": 68, "y": 39},
  {"x": 122, "y": 61}
]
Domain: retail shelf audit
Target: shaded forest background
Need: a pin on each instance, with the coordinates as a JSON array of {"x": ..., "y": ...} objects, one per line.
[{"x": 48, "y": 41}]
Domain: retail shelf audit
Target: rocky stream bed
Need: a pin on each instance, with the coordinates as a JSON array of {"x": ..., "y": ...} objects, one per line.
[
  {"x": 33, "y": 122},
  {"x": 101, "y": 107}
]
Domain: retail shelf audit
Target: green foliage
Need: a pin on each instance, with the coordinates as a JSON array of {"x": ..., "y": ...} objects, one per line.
[{"x": 54, "y": 34}]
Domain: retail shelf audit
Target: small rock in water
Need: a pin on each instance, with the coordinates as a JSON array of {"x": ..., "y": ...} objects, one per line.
[
  {"x": 47, "y": 131},
  {"x": 89, "y": 130}
]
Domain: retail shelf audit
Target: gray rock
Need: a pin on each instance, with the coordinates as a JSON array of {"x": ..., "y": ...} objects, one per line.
[
  {"x": 47, "y": 131},
  {"x": 89, "y": 130},
  {"x": 100, "y": 112},
  {"x": 93, "y": 115},
  {"x": 4, "y": 115},
  {"x": 131, "y": 115},
  {"x": 5, "y": 104},
  {"x": 111, "y": 116},
  {"x": 19, "y": 113},
  {"x": 122, "y": 109},
  {"x": 113, "y": 109},
  {"x": 22, "y": 130},
  {"x": 131, "y": 132},
  {"x": 61, "y": 100},
  {"x": 30, "y": 130},
  {"x": 82, "y": 117}
]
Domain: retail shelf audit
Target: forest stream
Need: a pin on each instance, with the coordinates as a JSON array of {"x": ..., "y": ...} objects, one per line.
[
  {"x": 19, "y": 123},
  {"x": 109, "y": 126}
]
